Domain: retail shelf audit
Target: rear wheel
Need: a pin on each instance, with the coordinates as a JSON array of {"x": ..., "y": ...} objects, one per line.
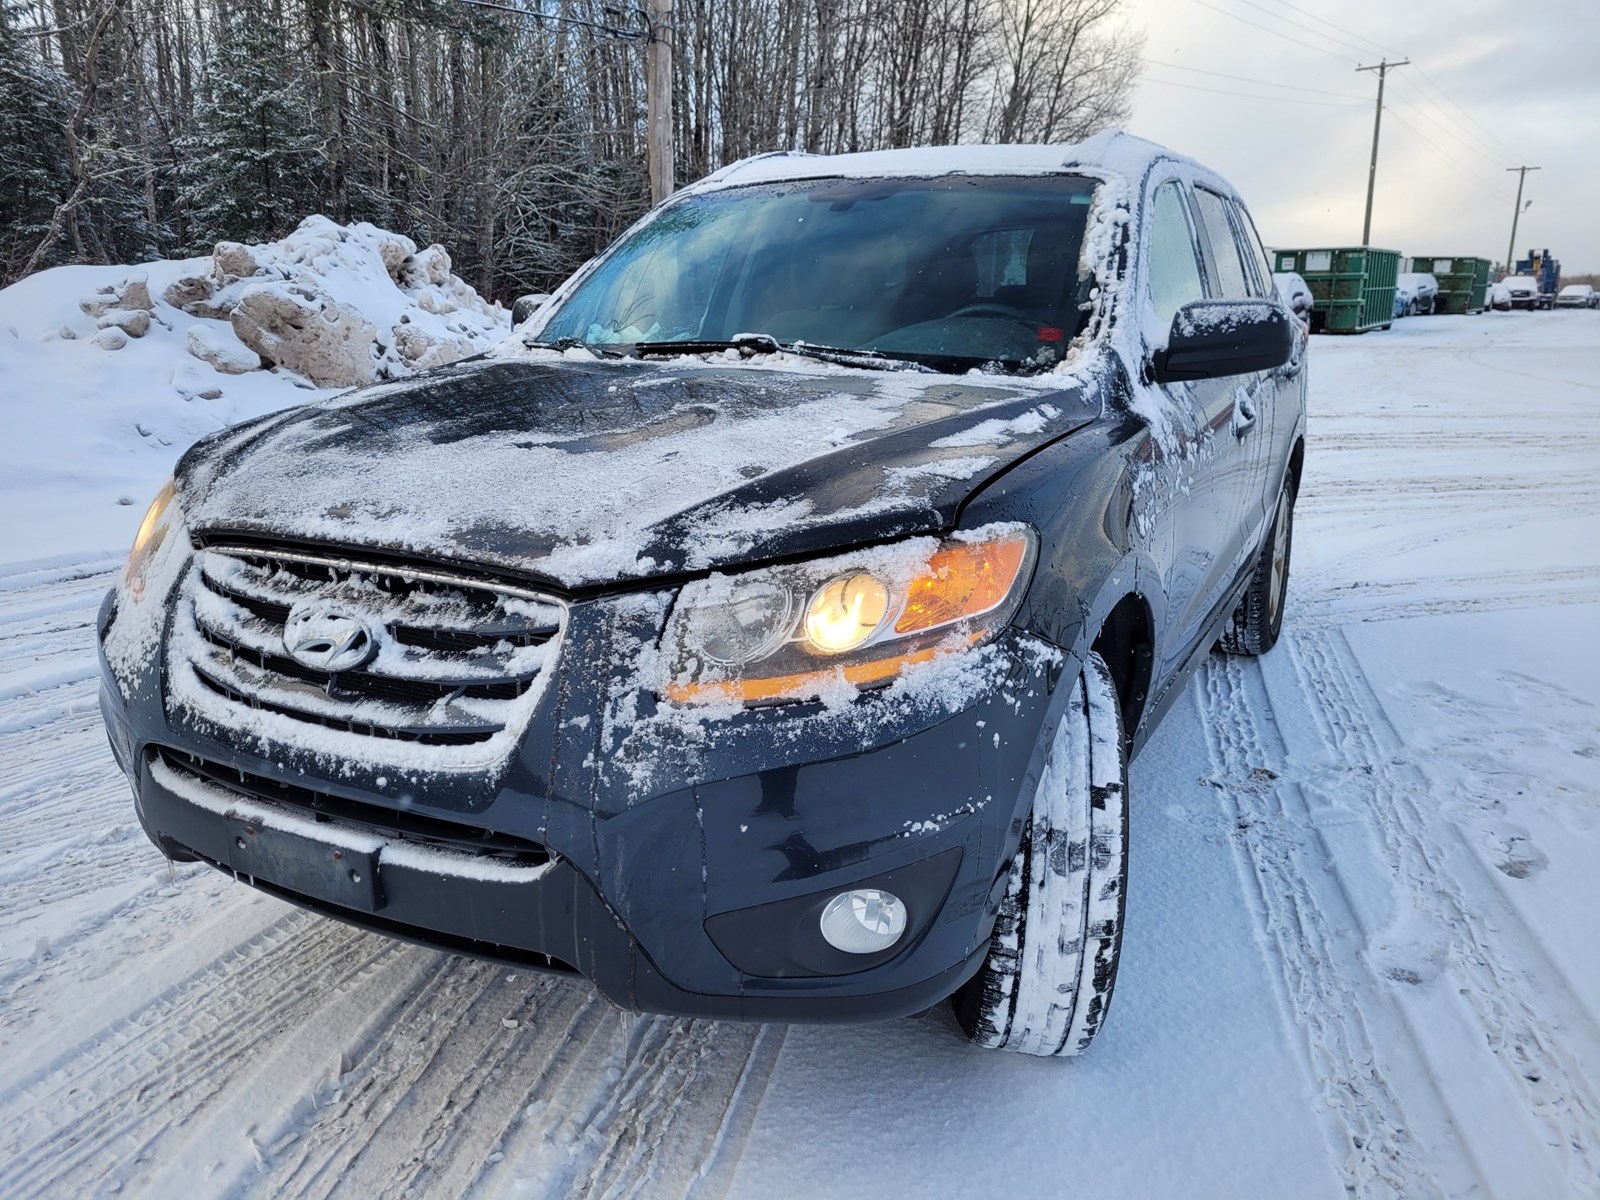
[
  {"x": 1046, "y": 985},
  {"x": 1256, "y": 623}
]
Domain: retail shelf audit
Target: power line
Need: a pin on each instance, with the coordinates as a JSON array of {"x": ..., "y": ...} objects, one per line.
[
  {"x": 1431, "y": 82},
  {"x": 1449, "y": 131},
  {"x": 1422, "y": 71},
  {"x": 1155, "y": 62},
  {"x": 1273, "y": 32},
  {"x": 1313, "y": 32},
  {"x": 1195, "y": 87},
  {"x": 1466, "y": 171},
  {"x": 1331, "y": 25}
]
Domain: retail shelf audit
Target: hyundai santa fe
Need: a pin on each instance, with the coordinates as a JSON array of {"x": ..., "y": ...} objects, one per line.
[{"x": 764, "y": 629}]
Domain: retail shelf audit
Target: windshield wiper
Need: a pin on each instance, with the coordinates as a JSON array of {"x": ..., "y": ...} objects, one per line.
[
  {"x": 573, "y": 343},
  {"x": 751, "y": 344}
]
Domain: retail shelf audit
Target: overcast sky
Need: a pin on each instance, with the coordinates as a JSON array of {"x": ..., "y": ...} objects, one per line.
[{"x": 1495, "y": 84}]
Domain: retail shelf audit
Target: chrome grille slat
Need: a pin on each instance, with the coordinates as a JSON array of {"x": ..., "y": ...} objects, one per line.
[
  {"x": 456, "y": 655},
  {"x": 245, "y": 580},
  {"x": 438, "y": 674},
  {"x": 282, "y": 692}
]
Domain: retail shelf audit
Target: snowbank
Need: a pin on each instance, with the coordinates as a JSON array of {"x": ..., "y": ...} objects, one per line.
[{"x": 108, "y": 373}]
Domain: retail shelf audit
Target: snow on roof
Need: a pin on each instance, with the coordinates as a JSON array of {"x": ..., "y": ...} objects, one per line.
[{"x": 1112, "y": 152}]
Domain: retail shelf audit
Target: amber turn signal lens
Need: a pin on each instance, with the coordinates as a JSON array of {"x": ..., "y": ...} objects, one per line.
[
  {"x": 963, "y": 579},
  {"x": 799, "y": 686}
]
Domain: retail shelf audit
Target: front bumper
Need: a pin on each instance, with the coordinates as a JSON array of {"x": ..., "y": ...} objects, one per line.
[{"x": 687, "y": 889}]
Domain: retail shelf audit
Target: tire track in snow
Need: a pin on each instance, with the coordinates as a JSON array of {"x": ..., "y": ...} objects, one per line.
[
  {"x": 134, "y": 1055},
  {"x": 1330, "y": 603},
  {"x": 666, "y": 1117},
  {"x": 421, "y": 1104},
  {"x": 1420, "y": 492},
  {"x": 1306, "y": 928},
  {"x": 501, "y": 1081},
  {"x": 47, "y": 656},
  {"x": 118, "y": 1098},
  {"x": 1496, "y": 967}
]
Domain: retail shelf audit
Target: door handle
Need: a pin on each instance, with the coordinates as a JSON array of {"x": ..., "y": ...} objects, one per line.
[{"x": 1244, "y": 415}]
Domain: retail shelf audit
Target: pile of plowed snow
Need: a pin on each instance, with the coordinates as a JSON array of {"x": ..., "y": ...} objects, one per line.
[{"x": 114, "y": 371}]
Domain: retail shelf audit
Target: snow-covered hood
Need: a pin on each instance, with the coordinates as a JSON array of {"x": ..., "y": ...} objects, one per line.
[{"x": 585, "y": 473}]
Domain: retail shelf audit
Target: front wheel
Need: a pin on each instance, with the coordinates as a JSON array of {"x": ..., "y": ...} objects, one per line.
[
  {"x": 1257, "y": 621},
  {"x": 1046, "y": 985}
]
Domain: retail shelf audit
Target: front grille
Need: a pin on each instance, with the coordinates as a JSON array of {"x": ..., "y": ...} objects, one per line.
[
  {"x": 457, "y": 658},
  {"x": 365, "y": 816}
]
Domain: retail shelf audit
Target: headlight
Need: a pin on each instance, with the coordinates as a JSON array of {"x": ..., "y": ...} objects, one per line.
[
  {"x": 152, "y": 533},
  {"x": 796, "y": 632}
]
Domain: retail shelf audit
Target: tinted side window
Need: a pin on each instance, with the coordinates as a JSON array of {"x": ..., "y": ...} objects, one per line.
[
  {"x": 1174, "y": 270},
  {"x": 1253, "y": 248},
  {"x": 1231, "y": 278}
]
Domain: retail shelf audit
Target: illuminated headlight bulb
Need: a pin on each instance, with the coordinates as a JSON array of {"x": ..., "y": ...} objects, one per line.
[
  {"x": 845, "y": 612},
  {"x": 863, "y": 921}
]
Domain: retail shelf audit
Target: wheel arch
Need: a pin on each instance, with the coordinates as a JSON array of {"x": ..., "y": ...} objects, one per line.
[
  {"x": 1297, "y": 463},
  {"x": 1125, "y": 642}
]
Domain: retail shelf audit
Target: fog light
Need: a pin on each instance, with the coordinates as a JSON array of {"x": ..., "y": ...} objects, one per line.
[{"x": 863, "y": 921}]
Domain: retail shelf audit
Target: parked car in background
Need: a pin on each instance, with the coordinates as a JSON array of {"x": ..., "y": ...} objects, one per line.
[
  {"x": 1497, "y": 296},
  {"x": 1294, "y": 292},
  {"x": 1415, "y": 293},
  {"x": 1524, "y": 292},
  {"x": 1578, "y": 295},
  {"x": 764, "y": 632}
]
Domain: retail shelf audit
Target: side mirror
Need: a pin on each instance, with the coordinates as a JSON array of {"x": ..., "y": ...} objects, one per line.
[
  {"x": 525, "y": 306},
  {"x": 1215, "y": 338}
]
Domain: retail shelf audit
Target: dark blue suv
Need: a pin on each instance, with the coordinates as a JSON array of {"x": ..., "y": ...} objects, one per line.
[{"x": 763, "y": 631}]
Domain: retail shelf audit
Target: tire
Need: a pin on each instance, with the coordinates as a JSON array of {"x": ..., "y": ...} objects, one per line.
[
  {"x": 1257, "y": 621},
  {"x": 1046, "y": 985}
]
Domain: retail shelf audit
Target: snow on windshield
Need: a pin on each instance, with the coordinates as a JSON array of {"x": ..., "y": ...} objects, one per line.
[{"x": 955, "y": 267}]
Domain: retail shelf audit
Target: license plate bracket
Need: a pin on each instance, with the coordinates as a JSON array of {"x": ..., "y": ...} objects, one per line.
[{"x": 322, "y": 870}]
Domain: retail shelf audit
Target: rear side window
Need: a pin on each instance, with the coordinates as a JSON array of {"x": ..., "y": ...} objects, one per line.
[
  {"x": 1253, "y": 248},
  {"x": 1231, "y": 278},
  {"x": 1174, "y": 270}
]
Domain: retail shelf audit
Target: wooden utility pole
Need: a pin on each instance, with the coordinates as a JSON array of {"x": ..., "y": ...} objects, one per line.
[
  {"x": 1382, "y": 69},
  {"x": 658, "y": 96},
  {"x": 1511, "y": 249}
]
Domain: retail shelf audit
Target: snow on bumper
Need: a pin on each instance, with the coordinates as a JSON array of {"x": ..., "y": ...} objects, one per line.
[{"x": 657, "y": 893}]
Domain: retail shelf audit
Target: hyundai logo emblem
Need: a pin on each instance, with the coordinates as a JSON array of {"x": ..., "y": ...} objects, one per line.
[{"x": 325, "y": 637}]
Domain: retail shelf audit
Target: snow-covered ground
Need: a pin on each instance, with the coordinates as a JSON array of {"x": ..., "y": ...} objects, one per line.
[{"x": 1360, "y": 954}]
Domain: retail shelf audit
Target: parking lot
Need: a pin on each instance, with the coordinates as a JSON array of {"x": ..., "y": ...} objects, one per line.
[{"x": 1358, "y": 958}]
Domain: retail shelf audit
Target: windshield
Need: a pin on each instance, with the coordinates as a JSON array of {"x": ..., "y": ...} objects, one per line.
[{"x": 956, "y": 271}]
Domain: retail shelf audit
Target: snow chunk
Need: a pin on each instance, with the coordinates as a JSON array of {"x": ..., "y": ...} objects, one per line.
[
  {"x": 328, "y": 342},
  {"x": 116, "y": 424},
  {"x": 221, "y": 349}
]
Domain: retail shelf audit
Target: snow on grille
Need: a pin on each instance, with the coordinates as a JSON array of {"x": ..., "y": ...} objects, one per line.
[{"x": 459, "y": 661}]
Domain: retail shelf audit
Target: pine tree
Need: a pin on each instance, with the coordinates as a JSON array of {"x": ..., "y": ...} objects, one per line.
[
  {"x": 34, "y": 107},
  {"x": 253, "y": 169}
]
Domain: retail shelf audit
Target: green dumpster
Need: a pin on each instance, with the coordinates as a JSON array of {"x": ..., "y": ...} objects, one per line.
[
  {"x": 1353, "y": 287},
  {"x": 1463, "y": 282}
]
